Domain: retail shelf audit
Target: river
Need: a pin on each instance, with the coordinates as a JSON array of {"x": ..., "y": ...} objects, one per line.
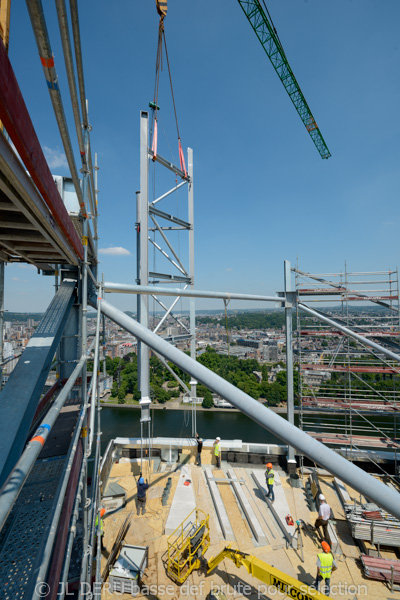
[{"x": 124, "y": 422}]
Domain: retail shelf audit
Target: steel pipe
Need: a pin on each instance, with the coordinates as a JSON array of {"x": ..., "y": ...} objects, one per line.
[
  {"x": 62, "y": 589},
  {"x": 127, "y": 288},
  {"x": 48, "y": 544},
  {"x": 94, "y": 386},
  {"x": 38, "y": 21},
  {"x": 69, "y": 67},
  {"x": 81, "y": 82},
  {"x": 15, "y": 481},
  {"x": 337, "y": 465}
]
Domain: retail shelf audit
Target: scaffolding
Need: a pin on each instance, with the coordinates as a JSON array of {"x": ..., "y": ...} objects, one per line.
[{"x": 348, "y": 392}]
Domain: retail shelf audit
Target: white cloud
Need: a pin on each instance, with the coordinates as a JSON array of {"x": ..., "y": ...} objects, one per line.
[
  {"x": 228, "y": 269},
  {"x": 56, "y": 158},
  {"x": 15, "y": 279},
  {"x": 26, "y": 266},
  {"x": 115, "y": 251}
]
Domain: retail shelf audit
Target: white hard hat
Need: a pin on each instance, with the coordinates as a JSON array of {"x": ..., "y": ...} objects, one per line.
[
  {"x": 321, "y": 497},
  {"x": 218, "y": 438}
]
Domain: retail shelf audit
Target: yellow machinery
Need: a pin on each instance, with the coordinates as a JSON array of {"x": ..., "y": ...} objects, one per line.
[{"x": 188, "y": 543}]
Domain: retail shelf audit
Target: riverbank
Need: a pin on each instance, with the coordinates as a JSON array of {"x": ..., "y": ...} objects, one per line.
[
  {"x": 177, "y": 406},
  {"x": 280, "y": 410}
]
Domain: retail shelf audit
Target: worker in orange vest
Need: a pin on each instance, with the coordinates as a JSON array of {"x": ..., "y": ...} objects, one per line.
[{"x": 325, "y": 566}]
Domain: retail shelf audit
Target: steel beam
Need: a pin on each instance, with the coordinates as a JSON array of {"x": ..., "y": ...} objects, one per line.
[
  {"x": 127, "y": 288},
  {"x": 364, "y": 483},
  {"x": 167, "y": 217},
  {"x": 169, "y": 277},
  {"x": 168, "y": 165},
  {"x": 168, "y": 193},
  {"x": 20, "y": 396}
]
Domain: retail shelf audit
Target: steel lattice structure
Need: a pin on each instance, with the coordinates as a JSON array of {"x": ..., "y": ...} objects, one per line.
[{"x": 273, "y": 48}]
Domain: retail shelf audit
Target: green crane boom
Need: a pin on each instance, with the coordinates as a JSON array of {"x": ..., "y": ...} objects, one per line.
[{"x": 272, "y": 46}]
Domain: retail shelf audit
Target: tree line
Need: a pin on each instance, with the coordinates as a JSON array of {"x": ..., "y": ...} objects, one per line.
[{"x": 163, "y": 386}]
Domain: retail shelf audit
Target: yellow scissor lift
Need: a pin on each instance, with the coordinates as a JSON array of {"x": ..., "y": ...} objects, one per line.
[{"x": 189, "y": 542}]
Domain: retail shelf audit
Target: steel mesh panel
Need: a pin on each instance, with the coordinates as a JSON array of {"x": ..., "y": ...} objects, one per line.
[
  {"x": 22, "y": 534},
  {"x": 20, "y": 549}
]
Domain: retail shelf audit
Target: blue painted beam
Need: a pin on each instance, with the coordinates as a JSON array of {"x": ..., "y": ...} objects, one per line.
[{"x": 20, "y": 396}]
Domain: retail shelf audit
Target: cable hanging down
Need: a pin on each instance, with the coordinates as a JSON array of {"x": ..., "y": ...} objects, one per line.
[{"x": 162, "y": 11}]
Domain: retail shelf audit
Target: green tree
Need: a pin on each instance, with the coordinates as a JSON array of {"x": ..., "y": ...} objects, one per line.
[{"x": 207, "y": 400}]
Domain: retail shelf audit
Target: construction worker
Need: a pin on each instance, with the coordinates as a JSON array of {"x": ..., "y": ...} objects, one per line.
[
  {"x": 199, "y": 449},
  {"x": 217, "y": 451},
  {"x": 102, "y": 513},
  {"x": 269, "y": 478},
  {"x": 324, "y": 515},
  {"x": 325, "y": 566},
  {"x": 142, "y": 487}
]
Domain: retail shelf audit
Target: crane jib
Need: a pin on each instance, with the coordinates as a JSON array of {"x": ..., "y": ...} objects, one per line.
[{"x": 268, "y": 38}]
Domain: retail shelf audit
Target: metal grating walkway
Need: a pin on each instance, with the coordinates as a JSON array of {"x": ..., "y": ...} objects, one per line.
[{"x": 26, "y": 526}]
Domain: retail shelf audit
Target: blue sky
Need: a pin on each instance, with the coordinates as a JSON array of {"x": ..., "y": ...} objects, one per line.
[{"x": 262, "y": 192}]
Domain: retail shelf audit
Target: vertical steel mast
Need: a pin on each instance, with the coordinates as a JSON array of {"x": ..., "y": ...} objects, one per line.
[
  {"x": 143, "y": 305},
  {"x": 162, "y": 225}
]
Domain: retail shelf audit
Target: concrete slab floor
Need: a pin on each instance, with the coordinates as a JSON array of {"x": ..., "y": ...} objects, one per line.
[{"x": 148, "y": 530}]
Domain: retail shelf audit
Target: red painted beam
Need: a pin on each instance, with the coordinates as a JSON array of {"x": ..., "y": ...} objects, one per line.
[
  {"x": 63, "y": 527},
  {"x": 15, "y": 117},
  {"x": 344, "y": 369},
  {"x": 46, "y": 398}
]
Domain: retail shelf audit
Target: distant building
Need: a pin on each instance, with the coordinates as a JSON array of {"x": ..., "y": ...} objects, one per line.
[
  {"x": 188, "y": 400},
  {"x": 256, "y": 344},
  {"x": 221, "y": 402},
  {"x": 8, "y": 350},
  {"x": 125, "y": 348},
  {"x": 316, "y": 378},
  {"x": 105, "y": 384},
  {"x": 270, "y": 352}
]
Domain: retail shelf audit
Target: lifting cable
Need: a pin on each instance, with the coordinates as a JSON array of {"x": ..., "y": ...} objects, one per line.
[
  {"x": 226, "y": 302},
  {"x": 162, "y": 11}
]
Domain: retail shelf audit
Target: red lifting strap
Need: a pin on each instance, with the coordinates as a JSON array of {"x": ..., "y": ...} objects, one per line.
[
  {"x": 182, "y": 158},
  {"x": 154, "y": 144}
]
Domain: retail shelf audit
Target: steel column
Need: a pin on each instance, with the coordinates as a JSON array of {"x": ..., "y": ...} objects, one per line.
[
  {"x": 289, "y": 352},
  {"x": 192, "y": 306},
  {"x": 144, "y": 253},
  {"x": 377, "y": 491}
]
